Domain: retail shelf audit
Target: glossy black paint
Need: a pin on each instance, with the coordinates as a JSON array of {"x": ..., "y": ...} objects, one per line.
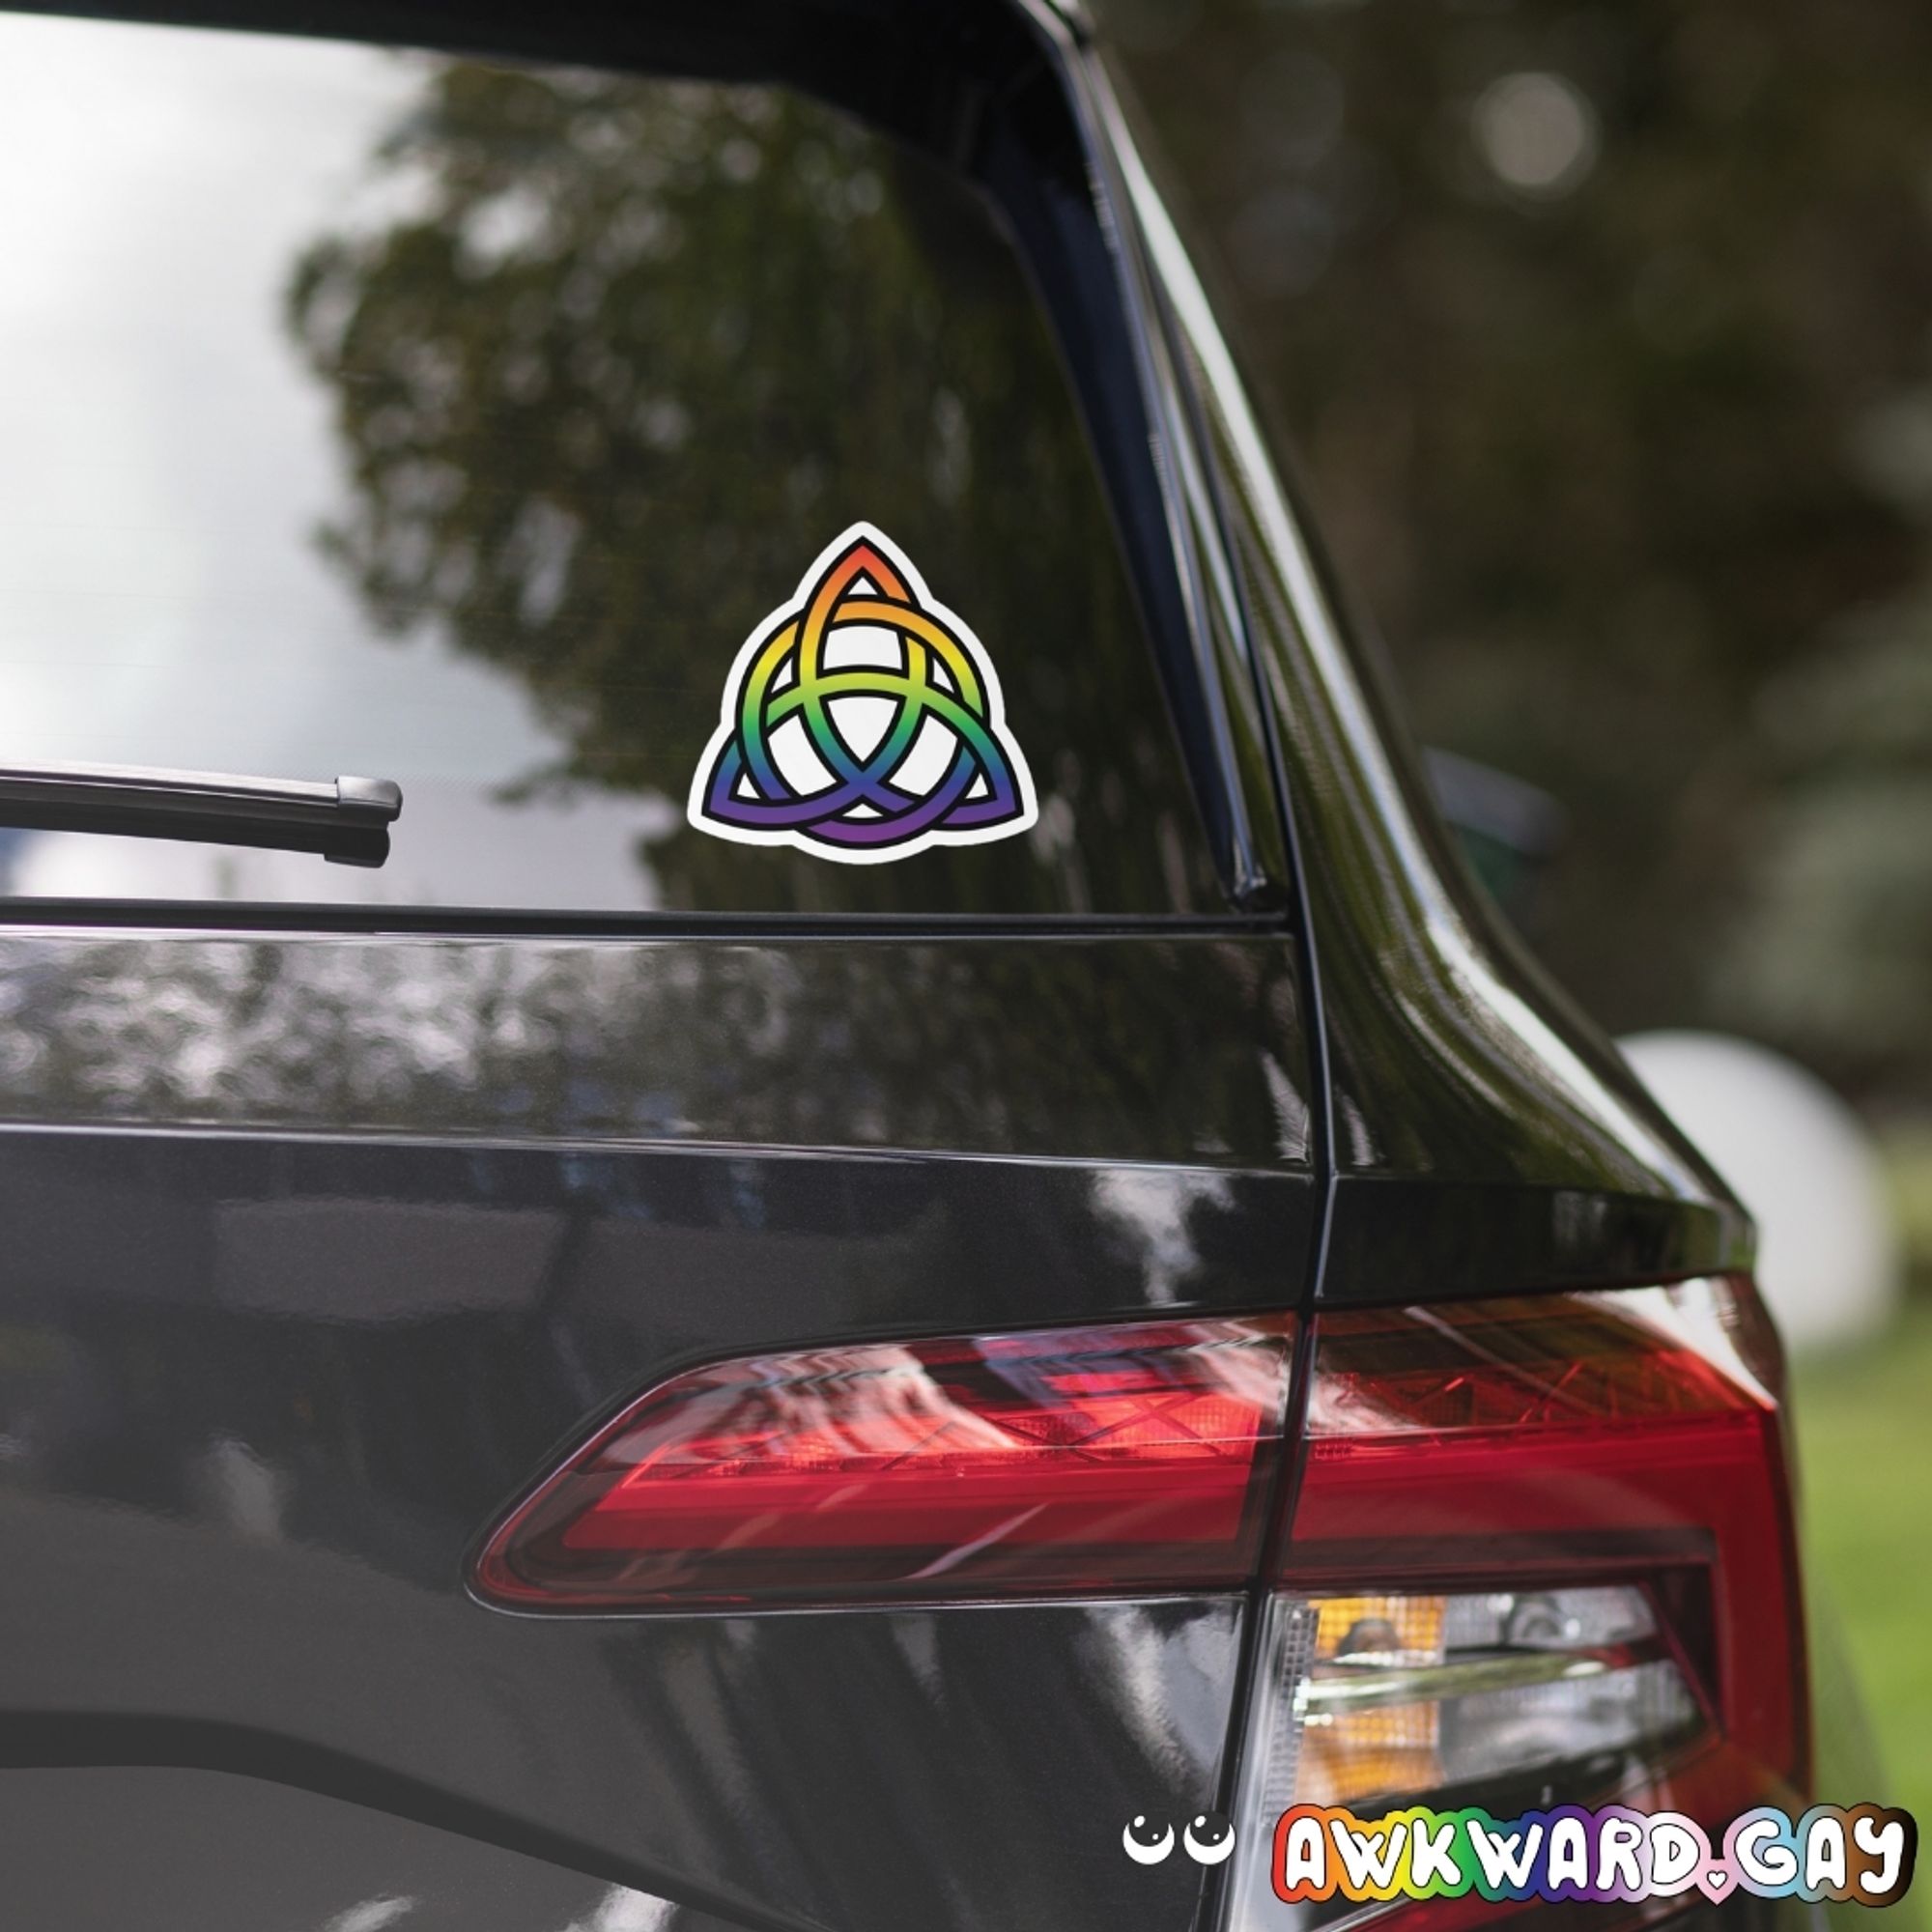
[
  {"x": 1183, "y": 1048},
  {"x": 329, "y": 1244},
  {"x": 310, "y": 1862},
  {"x": 326, "y": 1235},
  {"x": 1003, "y": 1806}
]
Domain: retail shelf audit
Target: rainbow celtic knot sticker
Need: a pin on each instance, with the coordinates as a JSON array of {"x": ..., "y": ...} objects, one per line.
[{"x": 862, "y": 721}]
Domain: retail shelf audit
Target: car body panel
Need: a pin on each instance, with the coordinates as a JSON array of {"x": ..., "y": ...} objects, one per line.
[{"x": 384, "y": 1225}]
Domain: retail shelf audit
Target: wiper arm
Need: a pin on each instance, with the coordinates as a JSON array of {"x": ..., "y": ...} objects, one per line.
[{"x": 347, "y": 821}]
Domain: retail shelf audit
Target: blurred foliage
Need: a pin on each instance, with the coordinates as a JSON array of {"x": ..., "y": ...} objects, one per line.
[
  {"x": 1865, "y": 1438},
  {"x": 622, "y": 356},
  {"x": 1906, "y": 1150},
  {"x": 1602, "y": 336}
]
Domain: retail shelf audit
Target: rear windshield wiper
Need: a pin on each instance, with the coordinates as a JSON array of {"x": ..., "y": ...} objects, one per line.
[{"x": 346, "y": 820}]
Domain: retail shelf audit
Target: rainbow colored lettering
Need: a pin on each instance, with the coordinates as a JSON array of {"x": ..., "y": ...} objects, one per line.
[{"x": 1861, "y": 1854}]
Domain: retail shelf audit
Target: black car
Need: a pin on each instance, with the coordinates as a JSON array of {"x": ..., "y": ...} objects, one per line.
[{"x": 872, "y": 1238}]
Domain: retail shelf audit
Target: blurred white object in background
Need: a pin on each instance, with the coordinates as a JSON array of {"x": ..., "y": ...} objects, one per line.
[{"x": 1803, "y": 1162}]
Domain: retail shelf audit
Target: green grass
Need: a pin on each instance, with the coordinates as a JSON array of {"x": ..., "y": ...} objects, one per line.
[{"x": 1864, "y": 1442}]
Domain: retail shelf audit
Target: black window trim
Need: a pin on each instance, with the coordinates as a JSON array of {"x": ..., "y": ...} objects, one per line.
[{"x": 314, "y": 919}]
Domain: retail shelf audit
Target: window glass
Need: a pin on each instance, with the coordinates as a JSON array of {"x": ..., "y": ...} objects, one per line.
[{"x": 384, "y": 414}]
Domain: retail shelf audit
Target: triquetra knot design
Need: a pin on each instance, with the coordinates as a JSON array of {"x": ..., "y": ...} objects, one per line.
[{"x": 862, "y": 721}]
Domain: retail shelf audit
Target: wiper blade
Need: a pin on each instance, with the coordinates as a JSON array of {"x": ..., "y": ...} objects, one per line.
[{"x": 345, "y": 819}]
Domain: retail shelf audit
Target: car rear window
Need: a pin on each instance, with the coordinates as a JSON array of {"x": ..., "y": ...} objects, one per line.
[{"x": 371, "y": 412}]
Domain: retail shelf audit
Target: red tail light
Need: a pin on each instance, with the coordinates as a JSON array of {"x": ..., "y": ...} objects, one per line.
[
  {"x": 1532, "y": 1549},
  {"x": 1104, "y": 1458},
  {"x": 1540, "y": 1552},
  {"x": 1587, "y": 1436}
]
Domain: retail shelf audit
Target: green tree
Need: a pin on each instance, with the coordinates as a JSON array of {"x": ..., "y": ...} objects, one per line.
[{"x": 1602, "y": 333}]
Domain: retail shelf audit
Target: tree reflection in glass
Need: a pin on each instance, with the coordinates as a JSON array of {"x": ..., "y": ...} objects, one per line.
[{"x": 622, "y": 359}]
